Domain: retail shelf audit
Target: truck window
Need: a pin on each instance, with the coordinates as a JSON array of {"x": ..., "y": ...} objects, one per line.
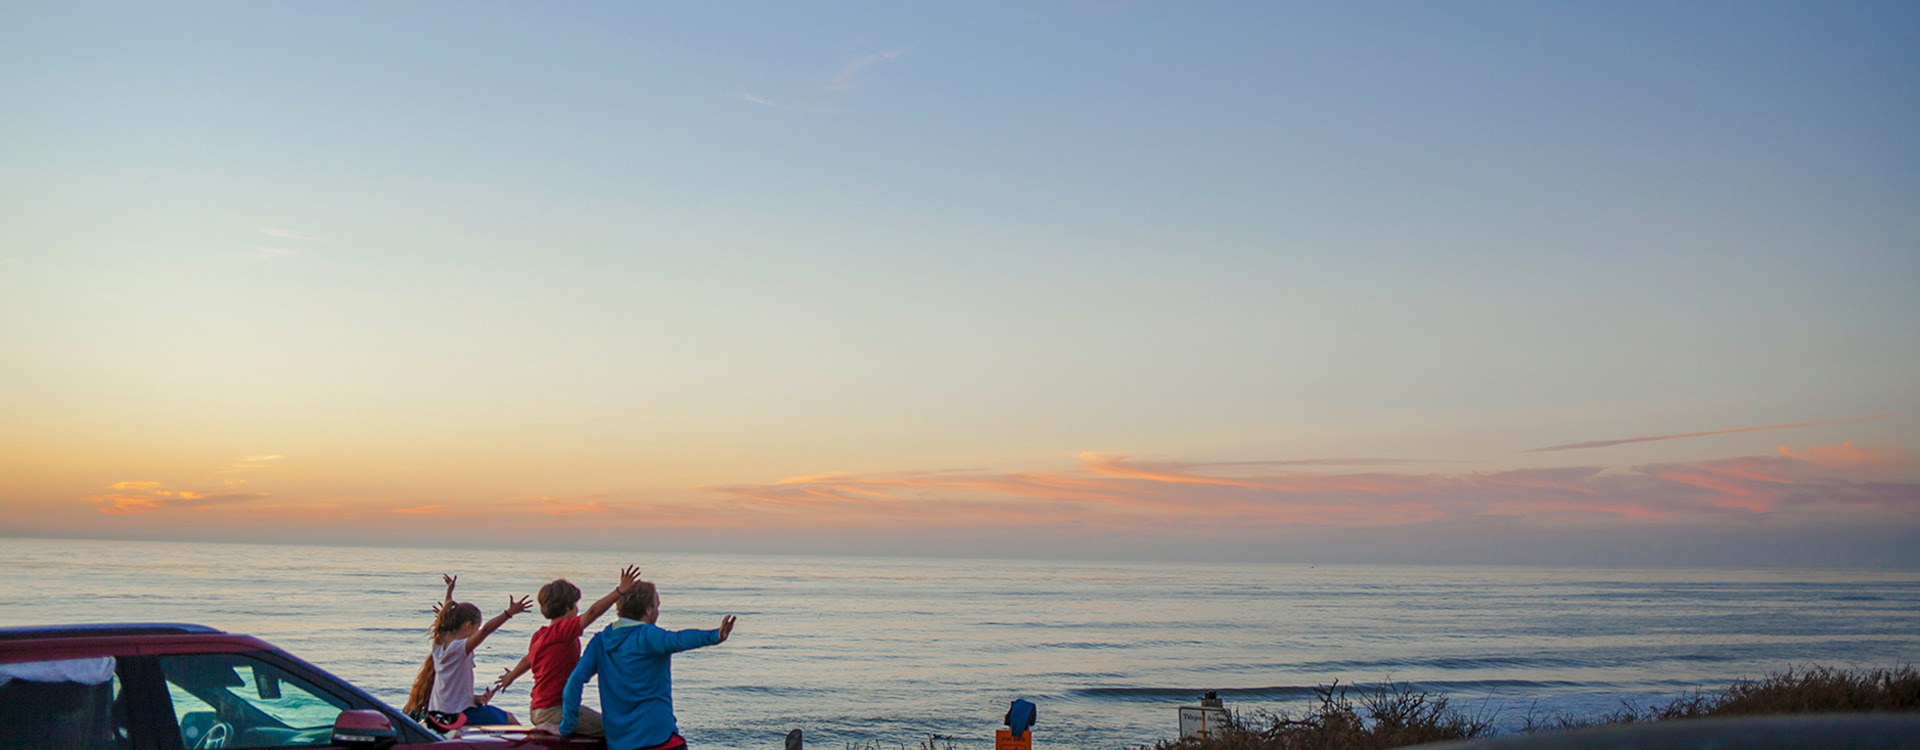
[
  {"x": 236, "y": 701},
  {"x": 72, "y": 703}
]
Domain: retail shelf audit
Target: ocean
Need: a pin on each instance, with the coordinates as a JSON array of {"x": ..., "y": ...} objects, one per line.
[{"x": 858, "y": 651}]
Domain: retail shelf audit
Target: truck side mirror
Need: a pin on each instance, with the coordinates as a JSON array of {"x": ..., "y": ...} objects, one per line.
[{"x": 365, "y": 729}]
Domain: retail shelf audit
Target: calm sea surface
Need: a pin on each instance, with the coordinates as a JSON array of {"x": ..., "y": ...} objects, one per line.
[{"x": 856, "y": 650}]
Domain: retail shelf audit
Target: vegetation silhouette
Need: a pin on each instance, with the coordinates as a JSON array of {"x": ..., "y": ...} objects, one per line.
[{"x": 1395, "y": 715}]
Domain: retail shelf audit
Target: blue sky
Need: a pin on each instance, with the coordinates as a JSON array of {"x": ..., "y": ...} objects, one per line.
[{"x": 446, "y": 255}]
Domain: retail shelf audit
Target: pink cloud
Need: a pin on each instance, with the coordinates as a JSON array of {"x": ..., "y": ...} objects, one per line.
[
  {"x": 1849, "y": 456},
  {"x": 1112, "y": 496},
  {"x": 134, "y": 498},
  {"x": 1119, "y": 493}
]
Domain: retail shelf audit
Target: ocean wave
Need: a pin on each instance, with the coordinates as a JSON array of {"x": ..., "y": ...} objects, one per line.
[
  {"x": 772, "y": 690},
  {"x": 1604, "y": 657},
  {"x": 1285, "y": 692}
]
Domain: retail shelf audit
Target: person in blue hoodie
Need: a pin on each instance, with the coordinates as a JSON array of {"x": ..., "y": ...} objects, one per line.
[{"x": 633, "y": 659}]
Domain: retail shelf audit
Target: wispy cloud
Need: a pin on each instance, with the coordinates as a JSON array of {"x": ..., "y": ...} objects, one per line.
[
  {"x": 786, "y": 106},
  {"x": 1117, "y": 497},
  {"x": 1331, "y": 462},
  {"x": 1623, "y": 441},
  {"x": 251, "y": 463},
  {"x": 850, "y": 78},
  {"x": 290, "y": 234},
  {"x": 1849, "y": 456},
  {"x": 571, "y": 505},
  {"x": 1117, "y": 493},
  {"x": 133, "y": 498}
]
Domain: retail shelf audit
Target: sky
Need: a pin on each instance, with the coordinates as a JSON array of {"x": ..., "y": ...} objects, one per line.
[{"x": 1590, "y": 284}]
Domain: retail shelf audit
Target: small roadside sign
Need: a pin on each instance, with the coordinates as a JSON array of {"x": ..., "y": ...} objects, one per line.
[{"x": 1206, "y": 720}]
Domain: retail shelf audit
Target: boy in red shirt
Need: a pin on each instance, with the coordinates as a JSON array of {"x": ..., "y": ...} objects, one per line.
[{"x": 556, "y": 648}]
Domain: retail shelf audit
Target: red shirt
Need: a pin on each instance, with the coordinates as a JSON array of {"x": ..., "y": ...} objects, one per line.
[{"x": 554, "y": 652}]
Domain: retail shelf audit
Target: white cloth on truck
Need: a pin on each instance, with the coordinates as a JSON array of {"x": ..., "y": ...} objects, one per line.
[{"x": 83, "y": 671}]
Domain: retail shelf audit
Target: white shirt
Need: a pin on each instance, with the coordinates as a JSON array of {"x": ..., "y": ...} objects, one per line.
[{"x": 452, "y": 678}]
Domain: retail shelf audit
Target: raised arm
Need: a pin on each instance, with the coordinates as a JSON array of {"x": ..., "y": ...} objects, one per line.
[
  {"x": 514, "y": 607},
  {"x": 628, "y": 576},
  {"x": 448, "y": 601},
  {"x": 514, "y": 672},
  {"x": 676, "y": 641}
]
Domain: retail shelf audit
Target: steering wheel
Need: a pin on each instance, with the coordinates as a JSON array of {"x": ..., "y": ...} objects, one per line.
[{"x": 216, "y": 737}]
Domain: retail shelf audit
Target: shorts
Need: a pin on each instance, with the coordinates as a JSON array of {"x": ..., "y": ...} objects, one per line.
[
  {"x": 588, "y": 725},
  {"x": 487, "y": 715}
]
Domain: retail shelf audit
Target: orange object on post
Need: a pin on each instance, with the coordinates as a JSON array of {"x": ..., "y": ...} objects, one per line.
[{"x": 1003, "y": 740}]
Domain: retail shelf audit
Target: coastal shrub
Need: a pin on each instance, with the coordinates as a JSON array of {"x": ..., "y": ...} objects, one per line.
[
  {"x": 1811, "y": 690},
  {"x": 932, "y": 742},
  {"x": 1823, "y": 690},
  {"x": 1395, "y": 715},
  {"x": 1390, "y": 715}
]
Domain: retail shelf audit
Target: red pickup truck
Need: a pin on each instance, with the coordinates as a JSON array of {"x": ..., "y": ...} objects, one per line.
[{"x": 157, "y": 686}]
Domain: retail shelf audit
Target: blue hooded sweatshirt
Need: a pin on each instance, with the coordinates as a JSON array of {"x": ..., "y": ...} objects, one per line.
[{"x": 636, "y": 681}]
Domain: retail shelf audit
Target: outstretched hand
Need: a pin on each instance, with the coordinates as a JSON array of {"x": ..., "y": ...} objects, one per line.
[
  {"x": 450, "y": 579},
  {"x": 726, "y": 628},
  {"x": 505, "y": 679},
  {"x": 516, "y": 606},
  {"x": 629, "y": 576}
]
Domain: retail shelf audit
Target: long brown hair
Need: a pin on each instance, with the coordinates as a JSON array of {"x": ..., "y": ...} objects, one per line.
[
  {"x": 422, "y": 687},
  {"x": 446, "y": 620}
]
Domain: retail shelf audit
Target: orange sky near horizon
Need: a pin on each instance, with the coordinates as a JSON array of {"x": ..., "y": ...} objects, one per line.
[{"x": 1843, "y": 484}]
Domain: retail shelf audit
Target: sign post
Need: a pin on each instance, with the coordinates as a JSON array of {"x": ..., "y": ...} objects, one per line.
[{"x": 1205, "y": 720}]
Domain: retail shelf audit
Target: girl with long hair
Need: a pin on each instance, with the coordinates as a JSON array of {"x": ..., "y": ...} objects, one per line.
[{"x": 443, "y": 691}]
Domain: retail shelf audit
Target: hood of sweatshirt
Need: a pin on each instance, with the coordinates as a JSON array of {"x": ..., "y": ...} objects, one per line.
[{"x": 621, "y": 631}]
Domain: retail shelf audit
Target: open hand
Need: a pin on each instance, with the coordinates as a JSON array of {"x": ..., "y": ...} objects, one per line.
[
  {"x": 485, "y": 697},
  {"x": 505, "y": 679},
  {"x": 516, "y": 606},
  {"x": 629, "y": 576},
  {"x": 450, "y": 579},
  {"x": 726, "y": 628}
]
